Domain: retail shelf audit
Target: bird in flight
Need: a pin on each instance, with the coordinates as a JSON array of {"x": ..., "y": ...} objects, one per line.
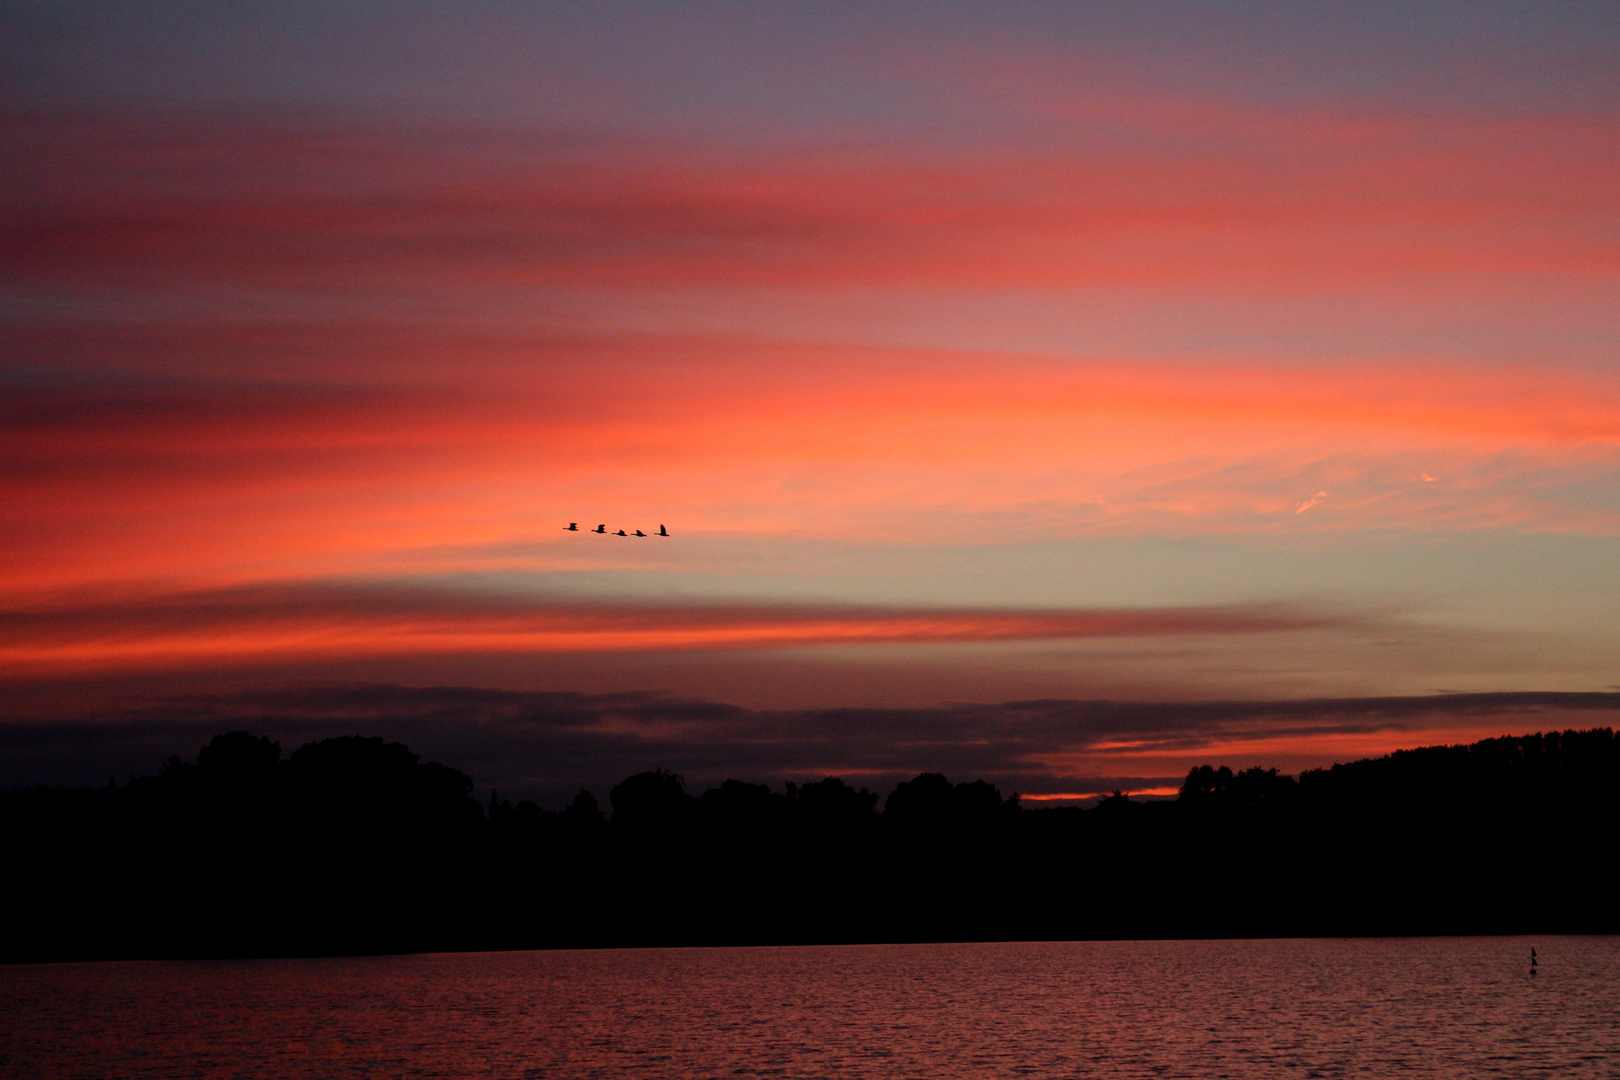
[{"x": 573, "y": 526}]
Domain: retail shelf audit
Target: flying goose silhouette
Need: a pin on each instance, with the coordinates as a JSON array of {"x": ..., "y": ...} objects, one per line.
[{"x": 573, "y": 526}]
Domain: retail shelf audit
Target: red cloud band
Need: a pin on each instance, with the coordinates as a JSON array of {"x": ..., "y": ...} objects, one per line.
[
  {"x": 335, "y": 621},
  {"x": 1302, "y": 205}
]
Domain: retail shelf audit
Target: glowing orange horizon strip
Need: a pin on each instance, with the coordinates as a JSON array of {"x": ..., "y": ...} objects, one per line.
[{"x": 1047, "y": 796}]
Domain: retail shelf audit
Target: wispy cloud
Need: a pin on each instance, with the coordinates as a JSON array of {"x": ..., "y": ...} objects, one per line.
[
  {"x": 247, "y": 348},
  {"x": 101, "y": 632},
  {"x": 494, "y": 442},
  {"x": 1281, "y": 202}
]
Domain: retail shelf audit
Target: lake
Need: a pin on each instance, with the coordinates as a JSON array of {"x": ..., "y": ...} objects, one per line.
[{"x": 1453, "y": 1007}]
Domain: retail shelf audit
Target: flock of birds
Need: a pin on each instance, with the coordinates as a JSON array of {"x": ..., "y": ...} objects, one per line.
[{"x": 573, "y": 526}]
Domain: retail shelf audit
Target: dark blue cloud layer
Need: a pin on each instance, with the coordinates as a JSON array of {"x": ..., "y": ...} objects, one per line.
[{"x": 546, "y": 745}]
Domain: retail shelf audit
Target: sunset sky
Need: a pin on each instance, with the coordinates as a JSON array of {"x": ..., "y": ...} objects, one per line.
[{"x": 1060, "y": 393}]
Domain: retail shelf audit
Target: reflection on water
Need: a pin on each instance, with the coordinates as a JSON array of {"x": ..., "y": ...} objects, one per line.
[{"x": 1420, "y": 1007}]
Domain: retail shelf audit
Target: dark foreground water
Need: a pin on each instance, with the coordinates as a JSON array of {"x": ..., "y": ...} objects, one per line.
[{"x": 1426, "y": 1007}]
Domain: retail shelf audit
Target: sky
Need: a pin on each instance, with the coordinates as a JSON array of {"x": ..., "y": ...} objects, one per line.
[{"x": 1067, "y": 394}]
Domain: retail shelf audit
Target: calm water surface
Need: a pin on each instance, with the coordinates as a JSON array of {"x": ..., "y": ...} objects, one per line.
[{"x": 1427, "y": 1007}]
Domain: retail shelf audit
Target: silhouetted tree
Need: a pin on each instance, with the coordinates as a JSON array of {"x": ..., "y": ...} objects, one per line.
[
  {"x": 584, "y": 812},
  {"x": 238, "y": 757},
  {"x": 922, "y": 800},
  {"x": 651, "y": 800}
]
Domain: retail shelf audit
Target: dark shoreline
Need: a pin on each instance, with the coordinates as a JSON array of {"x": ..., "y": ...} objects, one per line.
[
  {"x": 289, "y": 958},
  {"x": 355, "y": 847}
]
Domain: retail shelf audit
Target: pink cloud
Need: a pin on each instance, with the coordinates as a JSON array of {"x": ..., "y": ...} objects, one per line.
[{"x": 1223, "y": 201}]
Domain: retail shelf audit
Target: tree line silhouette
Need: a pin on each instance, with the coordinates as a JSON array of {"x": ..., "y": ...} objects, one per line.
[{"x": 355, "y": 845}]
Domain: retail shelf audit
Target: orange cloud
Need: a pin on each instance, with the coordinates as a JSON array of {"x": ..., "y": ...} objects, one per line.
[
  {"x": 218, "y": 484},
  {"x": 101, "y": 632}
]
